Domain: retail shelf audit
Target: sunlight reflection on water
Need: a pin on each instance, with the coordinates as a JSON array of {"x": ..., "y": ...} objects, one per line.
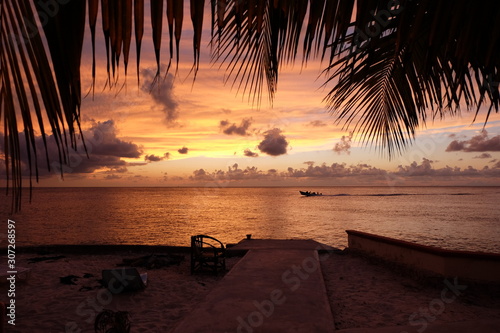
[{"x": 168, "y": 216}]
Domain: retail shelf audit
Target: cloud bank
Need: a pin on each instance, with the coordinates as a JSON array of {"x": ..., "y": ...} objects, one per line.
[
  {"x": 341, "y": 173},
  {"x": 104, "y": 148},
  {"x": 478, "y": 143}
]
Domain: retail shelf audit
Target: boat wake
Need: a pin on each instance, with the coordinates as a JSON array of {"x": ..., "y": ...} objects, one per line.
[{"x": 389, "y": 194}]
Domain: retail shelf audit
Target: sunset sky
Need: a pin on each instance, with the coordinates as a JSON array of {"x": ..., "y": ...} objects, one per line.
[{"x": 208, "y": 134}]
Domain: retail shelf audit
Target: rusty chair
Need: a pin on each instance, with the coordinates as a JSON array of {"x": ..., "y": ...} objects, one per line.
[{"x": 207, "y": 253}]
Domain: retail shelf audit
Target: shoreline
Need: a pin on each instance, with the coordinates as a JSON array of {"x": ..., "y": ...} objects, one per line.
[{"x": 134, "y": 219}]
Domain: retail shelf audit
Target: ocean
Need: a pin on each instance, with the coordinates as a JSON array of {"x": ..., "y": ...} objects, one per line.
[{"x": 459, "y": 218}]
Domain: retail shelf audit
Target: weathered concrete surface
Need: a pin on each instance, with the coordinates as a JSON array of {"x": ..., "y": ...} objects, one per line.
[
  {"x": 490, "y": 326},
  {"x": 276, "y": 287},
  {"x": 466, "y": 265}
]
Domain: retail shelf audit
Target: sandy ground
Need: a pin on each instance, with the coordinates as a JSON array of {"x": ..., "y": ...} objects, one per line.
[
  {"x": 361, "y": 293},
  {"x": 368, "y": 293},
  {"x": 44, "y": 304}
]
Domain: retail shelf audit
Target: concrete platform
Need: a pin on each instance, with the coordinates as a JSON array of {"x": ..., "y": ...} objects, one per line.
[
  {"x": 276, "y": 287},
  {"x": 284, "y": 244},
  {"x": 490, "y": 326}
]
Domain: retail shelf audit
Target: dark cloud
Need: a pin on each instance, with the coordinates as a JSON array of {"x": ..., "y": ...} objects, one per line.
[
  {"x": 317, "y": 123},
  {"x": 162, "y": 92},
  {"x": 233, "y": 129},
  {"x": 344, "y": 146},
  {"x": 104, "y": 148},
  {"x": 183, "y": 150},
  {"x": 274, "y": 143},
  {"x": 455, "y": 145},
  {"x": 483, "y": 155},
  {"x": 478, "y": 143},
  {"x": 154, "y": 158},
  {"x": 103, "y": 135},
  {"x": 249, "y": 153}
]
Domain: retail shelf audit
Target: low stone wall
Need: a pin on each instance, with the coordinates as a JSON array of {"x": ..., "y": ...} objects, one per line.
[{"x": 476, "y": 266}]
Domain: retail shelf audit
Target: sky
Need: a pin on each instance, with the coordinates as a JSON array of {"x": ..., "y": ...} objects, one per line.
[{"x": 207, "y": 133}]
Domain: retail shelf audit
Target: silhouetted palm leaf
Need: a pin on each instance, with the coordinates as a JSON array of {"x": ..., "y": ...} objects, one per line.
[
  {"x": 396, "y": 64},
  {"x": 389, "y": 83},
  {"x": 23, "y": 59}
]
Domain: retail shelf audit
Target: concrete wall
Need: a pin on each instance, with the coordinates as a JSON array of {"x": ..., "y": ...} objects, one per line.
[{"x": 477, "y": 266}]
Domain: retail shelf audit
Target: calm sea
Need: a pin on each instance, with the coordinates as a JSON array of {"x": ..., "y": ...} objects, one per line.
[{"x": 464, "y": 218}]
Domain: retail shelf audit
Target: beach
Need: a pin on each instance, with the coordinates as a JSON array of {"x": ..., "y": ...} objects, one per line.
[
  {"x": 44, "y": 304},
  {"x": 362, "y": 293},
  {"x": 365, "y": 292}
]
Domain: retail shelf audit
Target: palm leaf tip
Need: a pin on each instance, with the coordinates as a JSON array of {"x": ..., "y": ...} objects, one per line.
[{"x": 415, "y": 61}]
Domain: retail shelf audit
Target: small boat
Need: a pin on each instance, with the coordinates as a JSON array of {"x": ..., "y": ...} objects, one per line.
[{"x": 310, "y": 194}]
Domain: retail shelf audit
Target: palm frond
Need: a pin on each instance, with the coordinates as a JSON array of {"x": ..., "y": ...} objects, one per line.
[
  {"x": 389, "y": 65},
  {"x": 175, "y": 16},
  {"x": 431, "y": 69},
  {"x": 139, "y": 31},
  {"x": 93, "y": 11},
  {"x": 197, "y": 11},
  {"x": 23, "y": 59},
  {"x": 157, "y": 24}
]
